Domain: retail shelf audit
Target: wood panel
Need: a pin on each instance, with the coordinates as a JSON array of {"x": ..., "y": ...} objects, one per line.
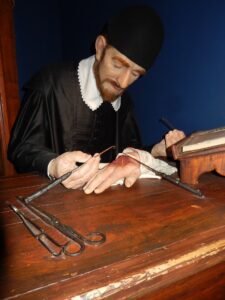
[{"x": 9, "y": 94}]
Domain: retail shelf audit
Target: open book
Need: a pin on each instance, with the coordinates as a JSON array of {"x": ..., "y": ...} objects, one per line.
[{"x": 204, "y": 139}]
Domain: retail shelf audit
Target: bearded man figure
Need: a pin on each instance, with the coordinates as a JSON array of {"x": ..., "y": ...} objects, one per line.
[{"x": 71, "y": 112}]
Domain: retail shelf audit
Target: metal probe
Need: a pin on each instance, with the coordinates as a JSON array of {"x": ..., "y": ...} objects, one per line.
[
  {"x": 58, "y": 180},
  {"x": 175, "y": 181}
]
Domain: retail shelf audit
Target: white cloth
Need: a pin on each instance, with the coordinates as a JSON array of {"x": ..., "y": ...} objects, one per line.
[
  {"x": 155, "y": 163},
  {"x": 89, "y": 91}
]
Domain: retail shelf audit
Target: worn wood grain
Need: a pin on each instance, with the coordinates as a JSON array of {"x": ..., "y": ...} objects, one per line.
[
  {"x": 9, "y": 90},
  {"x": 159, "y": 237}
]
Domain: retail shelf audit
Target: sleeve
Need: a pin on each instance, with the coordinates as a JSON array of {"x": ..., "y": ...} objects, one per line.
[{"x": 30, "y": 144}]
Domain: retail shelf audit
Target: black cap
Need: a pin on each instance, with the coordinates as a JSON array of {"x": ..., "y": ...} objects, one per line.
[{"x": 137, "y": 32}]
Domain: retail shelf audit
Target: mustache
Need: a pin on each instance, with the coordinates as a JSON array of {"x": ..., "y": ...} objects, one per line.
[{"x": 115, "y": 84}]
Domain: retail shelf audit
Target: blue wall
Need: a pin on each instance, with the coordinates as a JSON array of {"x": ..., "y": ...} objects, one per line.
[
  {"x": 38, "y": 35},
  {"x": 186, "y": 83}
]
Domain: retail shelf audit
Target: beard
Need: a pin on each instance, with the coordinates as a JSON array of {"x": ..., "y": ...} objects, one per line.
[{"x": 106, "y": 94}]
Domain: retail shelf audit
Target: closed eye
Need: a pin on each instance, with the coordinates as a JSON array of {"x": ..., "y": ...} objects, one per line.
[
  {"x": 118, "y": 65},
  {"x": 136, "y": 74}
]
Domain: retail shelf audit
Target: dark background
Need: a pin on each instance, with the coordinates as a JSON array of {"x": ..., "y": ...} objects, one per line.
[{"x": 186, "y": 83}]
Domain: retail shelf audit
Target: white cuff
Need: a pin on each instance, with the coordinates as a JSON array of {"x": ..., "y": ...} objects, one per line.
[{"x": 49, "y": 176}]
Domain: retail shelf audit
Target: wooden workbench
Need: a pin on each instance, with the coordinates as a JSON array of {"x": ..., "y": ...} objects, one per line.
[{"x": 162, "y": 243}]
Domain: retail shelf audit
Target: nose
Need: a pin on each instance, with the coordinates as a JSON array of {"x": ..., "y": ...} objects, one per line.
[{"x": 124, "y": 79}]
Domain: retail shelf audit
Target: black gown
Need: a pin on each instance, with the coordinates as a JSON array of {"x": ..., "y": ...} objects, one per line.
[{"x": 54, "y": 119}]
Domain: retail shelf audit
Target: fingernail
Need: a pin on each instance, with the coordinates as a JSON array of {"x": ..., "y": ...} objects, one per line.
[
  {"x": 96, "y": 155},
  {"x": 86, "y": 191},
  {"x": 128, "y": 184}
]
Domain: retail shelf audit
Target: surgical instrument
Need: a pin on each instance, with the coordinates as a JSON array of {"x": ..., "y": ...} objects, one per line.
[
  {"x": 175, "y": 181},
  {"x": 167, "y": 123},
  {"x": 58, "y": 180},
  {"x": 55, "y": 248},
  {"x": 93, "y": 238}
]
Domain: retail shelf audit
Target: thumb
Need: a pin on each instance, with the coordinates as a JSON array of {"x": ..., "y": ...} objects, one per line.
[{"x": 79, "y": 156}]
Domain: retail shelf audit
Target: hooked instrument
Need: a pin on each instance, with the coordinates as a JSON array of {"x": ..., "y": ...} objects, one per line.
[
  {"x": 77, "y": 240},
  {"x": 73, "y": 247},
  {"x": 46, "y": 240}
]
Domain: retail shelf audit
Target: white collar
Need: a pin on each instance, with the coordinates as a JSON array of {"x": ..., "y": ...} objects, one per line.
[{"x": 88, "y": 87}]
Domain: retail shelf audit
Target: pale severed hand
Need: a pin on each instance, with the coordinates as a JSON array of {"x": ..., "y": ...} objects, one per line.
[{"x": 121, "y": 168}]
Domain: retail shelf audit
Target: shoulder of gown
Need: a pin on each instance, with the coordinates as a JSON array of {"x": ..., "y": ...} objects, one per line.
[{"x": 52, "y": 76}]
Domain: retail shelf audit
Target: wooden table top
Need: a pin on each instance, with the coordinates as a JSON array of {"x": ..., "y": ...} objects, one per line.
[{"x": 159, "y": 239}]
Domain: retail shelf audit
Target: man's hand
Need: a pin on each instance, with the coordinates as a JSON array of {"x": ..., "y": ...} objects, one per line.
[
  {"x": 121, "y": 168},
  {"x": 171, "y": 138},
  {"x": 67, "y": 162}
]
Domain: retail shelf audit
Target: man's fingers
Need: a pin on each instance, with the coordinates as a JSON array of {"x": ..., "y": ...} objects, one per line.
[
  {"x": 83, "y": 174},
  {"x": 173, "y": 137},
  {"x": 66, "y": 162},
  {"x": 78, "y": 156},
  {"x": 159, "y": 149}
]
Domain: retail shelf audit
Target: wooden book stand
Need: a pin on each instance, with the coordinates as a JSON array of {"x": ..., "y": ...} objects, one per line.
[{"x": 194, "y": 163}]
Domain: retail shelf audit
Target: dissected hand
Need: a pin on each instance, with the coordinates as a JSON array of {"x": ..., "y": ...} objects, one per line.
[
  {"x": 122, "y": 167},
  {"x": 67, "y": 162},
  {"x": 170, "y": 139}
]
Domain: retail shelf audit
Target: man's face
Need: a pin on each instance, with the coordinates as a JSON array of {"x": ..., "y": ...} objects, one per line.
[{"x": 114, "y": 72}]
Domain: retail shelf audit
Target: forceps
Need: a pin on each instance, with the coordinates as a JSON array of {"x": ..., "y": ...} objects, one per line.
[
  {"x": 93, "y": 238},
  {"x": 46, "y": 240}
]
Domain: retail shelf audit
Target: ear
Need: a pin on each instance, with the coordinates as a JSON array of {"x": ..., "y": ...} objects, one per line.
[{"x": 100, "y": 44}]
